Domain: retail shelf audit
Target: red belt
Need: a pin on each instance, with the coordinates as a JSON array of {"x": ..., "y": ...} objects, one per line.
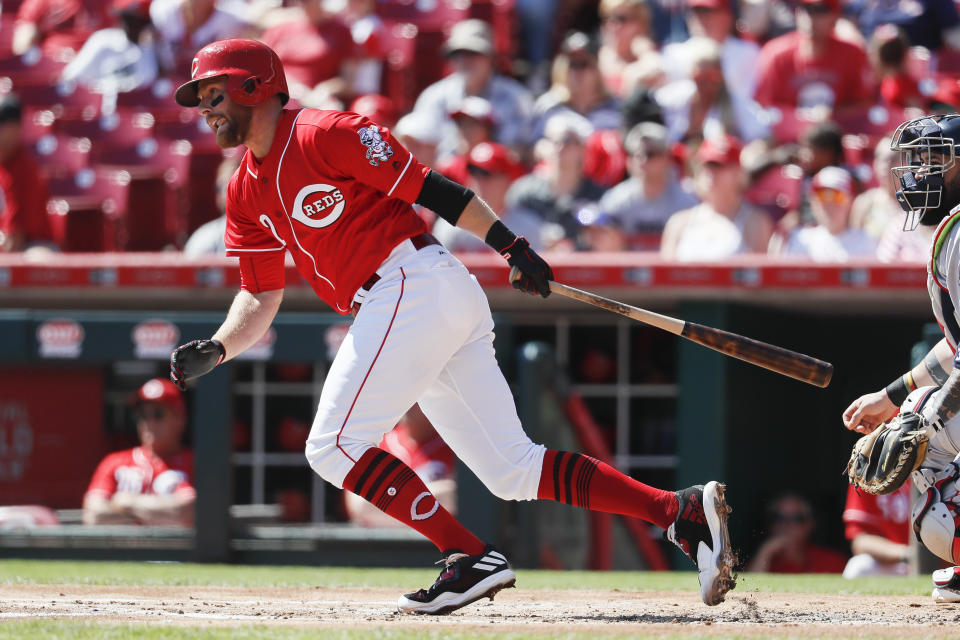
[{"x": 419, "y": 242}]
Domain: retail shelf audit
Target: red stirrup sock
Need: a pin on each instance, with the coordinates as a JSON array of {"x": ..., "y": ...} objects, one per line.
[
  {"x": 391, "y": 486},
  {"x": 583, "y": 481}
]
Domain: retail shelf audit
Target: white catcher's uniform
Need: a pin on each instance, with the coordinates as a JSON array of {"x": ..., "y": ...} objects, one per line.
[
  {"x": 937, "y": 517},
  {"x": 427, "y": 328}
]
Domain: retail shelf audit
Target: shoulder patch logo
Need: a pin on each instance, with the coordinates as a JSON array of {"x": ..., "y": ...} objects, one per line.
[{"x": 378, "y": 150}]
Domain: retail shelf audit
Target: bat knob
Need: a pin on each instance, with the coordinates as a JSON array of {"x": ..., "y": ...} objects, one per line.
[{"x": 515, "y": 274}]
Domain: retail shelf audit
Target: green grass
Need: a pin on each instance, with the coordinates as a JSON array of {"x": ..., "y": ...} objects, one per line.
[{"x": 186, "y": 574}]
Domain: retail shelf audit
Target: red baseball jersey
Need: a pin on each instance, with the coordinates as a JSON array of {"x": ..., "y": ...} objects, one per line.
[
  {"x": 139, "y": 471},
  {"x": 335, "y": 190},
  {"x": 881, "y": 515}
]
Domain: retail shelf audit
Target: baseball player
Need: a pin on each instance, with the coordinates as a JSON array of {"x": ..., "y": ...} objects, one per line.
[
  {"x": 928, "y": 182},
  {"x": 336, "y": 190}
]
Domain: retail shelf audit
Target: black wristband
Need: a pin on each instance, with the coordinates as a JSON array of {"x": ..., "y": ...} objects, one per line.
[
  {"x": 499, "y": 237},
  {"x": 223, "y": 351},
  {"x": 898, "y": 391},
  {"x": 444, "y": 197}
]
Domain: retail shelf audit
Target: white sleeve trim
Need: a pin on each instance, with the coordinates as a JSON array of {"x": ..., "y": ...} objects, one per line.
[
  {"x": 394, "y": 187},
  {"x": 257, "y": 250}
]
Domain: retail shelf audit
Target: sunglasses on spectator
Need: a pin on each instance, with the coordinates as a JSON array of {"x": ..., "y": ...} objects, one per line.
[
  {"x": 618, "y": 18},
  {"x": 647, "y": 154},
  {"x": 796, "y": 518},
  {"x": 831, "y": 196},
  {"x": 815, "y": 9},
  {"x": 151, "y": 413},
  {"x": 581, "y": 64}
]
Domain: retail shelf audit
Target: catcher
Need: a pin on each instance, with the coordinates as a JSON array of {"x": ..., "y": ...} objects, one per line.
[{"x": 923, "y": 441}]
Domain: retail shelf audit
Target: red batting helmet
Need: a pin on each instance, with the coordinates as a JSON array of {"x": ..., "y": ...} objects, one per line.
[{"x": 253, "y": 71}]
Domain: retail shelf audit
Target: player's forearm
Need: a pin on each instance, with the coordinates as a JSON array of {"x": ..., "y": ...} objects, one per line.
[
  {"x": 176, "y": 509},
  {"x": 945, "y": 404},
  {"x": 932, "y": 370},
  {"x": 879, "y": 547},
  {"x": 99, "y": 510},
  {"x": 477, "y": 218},
  {"x": 249, "y": 318}
]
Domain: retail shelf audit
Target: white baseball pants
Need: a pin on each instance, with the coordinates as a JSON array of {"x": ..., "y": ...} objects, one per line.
[{"x": 424, "y": 334}]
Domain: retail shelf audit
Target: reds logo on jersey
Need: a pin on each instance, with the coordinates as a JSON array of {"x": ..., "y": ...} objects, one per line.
[
  {"x": 318, "y": 205},
  {"x": 378, "y": 150}
]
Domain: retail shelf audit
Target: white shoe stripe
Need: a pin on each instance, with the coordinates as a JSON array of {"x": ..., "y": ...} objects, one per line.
[
  {"x": 493, "y": 560},
  {"x": 485, "y": 567},
  {"x": 496, "y": 554}
]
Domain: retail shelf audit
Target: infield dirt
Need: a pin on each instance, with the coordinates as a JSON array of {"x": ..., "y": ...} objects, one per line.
[{"x": 587, "y": 612}]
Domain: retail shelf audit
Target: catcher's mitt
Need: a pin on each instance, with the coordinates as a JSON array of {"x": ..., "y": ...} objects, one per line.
[{"x": 882, "y": 461}]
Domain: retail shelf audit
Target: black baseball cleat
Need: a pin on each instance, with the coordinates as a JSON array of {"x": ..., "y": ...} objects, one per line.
[
  {"x": 464, "y": 579},
  {"x": 700, "y": 531}
]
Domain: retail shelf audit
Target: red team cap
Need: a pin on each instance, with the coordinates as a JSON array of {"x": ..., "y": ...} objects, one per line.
[
  {"x": 253, "y": 71},
  {"x": 832, "y": 5},
  {"x": 160, "y": 390},
  {"x": 724, "y": 149},
  {"x": 709, "y": 4},
  {"x": 494, "y": 158},
  {"x": 141, "y": 7},
  {"x": 378, "y": 108}
]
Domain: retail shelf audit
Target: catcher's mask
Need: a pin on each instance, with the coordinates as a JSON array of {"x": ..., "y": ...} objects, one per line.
[{"x": 927, "y": 152}]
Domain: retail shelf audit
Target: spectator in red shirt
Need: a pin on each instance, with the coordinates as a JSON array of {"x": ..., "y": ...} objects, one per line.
[
  {"x": 318, "y": 55},
  {"x": 878, "y": 528},
  {"x": 811, "y": 68},
  {"x": 788, "y": 548},
  {"x": 150, "y": 484},
  {"x": 23, "y": 195},
  {"x": 59, "y": 27}
]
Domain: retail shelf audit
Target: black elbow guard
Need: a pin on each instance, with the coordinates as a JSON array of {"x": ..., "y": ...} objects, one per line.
[{"x": 444, "y": 196}]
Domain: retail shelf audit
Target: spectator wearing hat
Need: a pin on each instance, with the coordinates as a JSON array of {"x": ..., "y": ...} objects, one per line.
[
  {"x": 184, "y": 26},
  {"x": 474, "y": 120},
  {"x": 812, "y": 68},
  {"x": 714, "y": 19},
  {"x": 701, "y": 106},
  {"x": 876, "y": 209},
  {"x": 723, "y": 224},
  {"x": 558, "y": 186},
  {"x": 887, "y": 51},
  {"x": 149, "y": 484},
  {"x": 491, "y": 168},
  {"x": 469, "y": 50},
  {"x": 318, "y": 55},
  {"x": 369, "y": 35},
  {"x": 378, "y": 108},
  {"x": 926, "y": 23},
  {"x": 58, "y": 27},
  {"x": 628, "y": 56},
  {"x": 652, "y": 192},
  {"x": 831, "y": 239},
  {"x": 600, "y": 231},
  {"x": 789, "y": 547},
  {"x": 578, "y": 87},
  {"x": 119, "y": 58},
  {"x": 24, "y": 224},
  {"x": 420, "y": 136}
]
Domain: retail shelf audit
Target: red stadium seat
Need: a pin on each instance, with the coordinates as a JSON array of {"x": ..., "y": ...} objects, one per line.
[
  {"x": 124, "y": 126},
  {"x": 78, "y": 223},
  {"x": 64, "y": 151},
  {"x": 37, "y": 122}
]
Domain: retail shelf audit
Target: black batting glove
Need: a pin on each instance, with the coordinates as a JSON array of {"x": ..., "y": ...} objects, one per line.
[
  {"x": 530, "y": 273},
  {"x": 194, "y": 359}
]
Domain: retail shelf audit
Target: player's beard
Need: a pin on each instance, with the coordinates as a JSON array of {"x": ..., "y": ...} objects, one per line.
[
  {"x": 234, "y": 130},
  {"x": 949, "y": 198}
]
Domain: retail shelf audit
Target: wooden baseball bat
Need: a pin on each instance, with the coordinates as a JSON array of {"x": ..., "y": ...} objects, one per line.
[{"x": 782, "y": 361}]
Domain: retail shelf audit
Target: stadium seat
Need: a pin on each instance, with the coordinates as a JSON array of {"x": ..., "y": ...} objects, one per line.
[
  {"x": 77, "y": 223},
  {"x": 124, "y": 126},
  {"x": 37, "y": 122},
  {"x": 62, "y": 150}
]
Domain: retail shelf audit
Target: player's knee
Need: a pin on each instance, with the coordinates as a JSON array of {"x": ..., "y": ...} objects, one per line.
[
  {"x": 519, "y": 478},
  {"x": 934, "y": 522}
]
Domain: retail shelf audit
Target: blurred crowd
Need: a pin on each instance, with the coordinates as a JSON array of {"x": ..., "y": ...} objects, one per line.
[{"x": 700, "y": 129}]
